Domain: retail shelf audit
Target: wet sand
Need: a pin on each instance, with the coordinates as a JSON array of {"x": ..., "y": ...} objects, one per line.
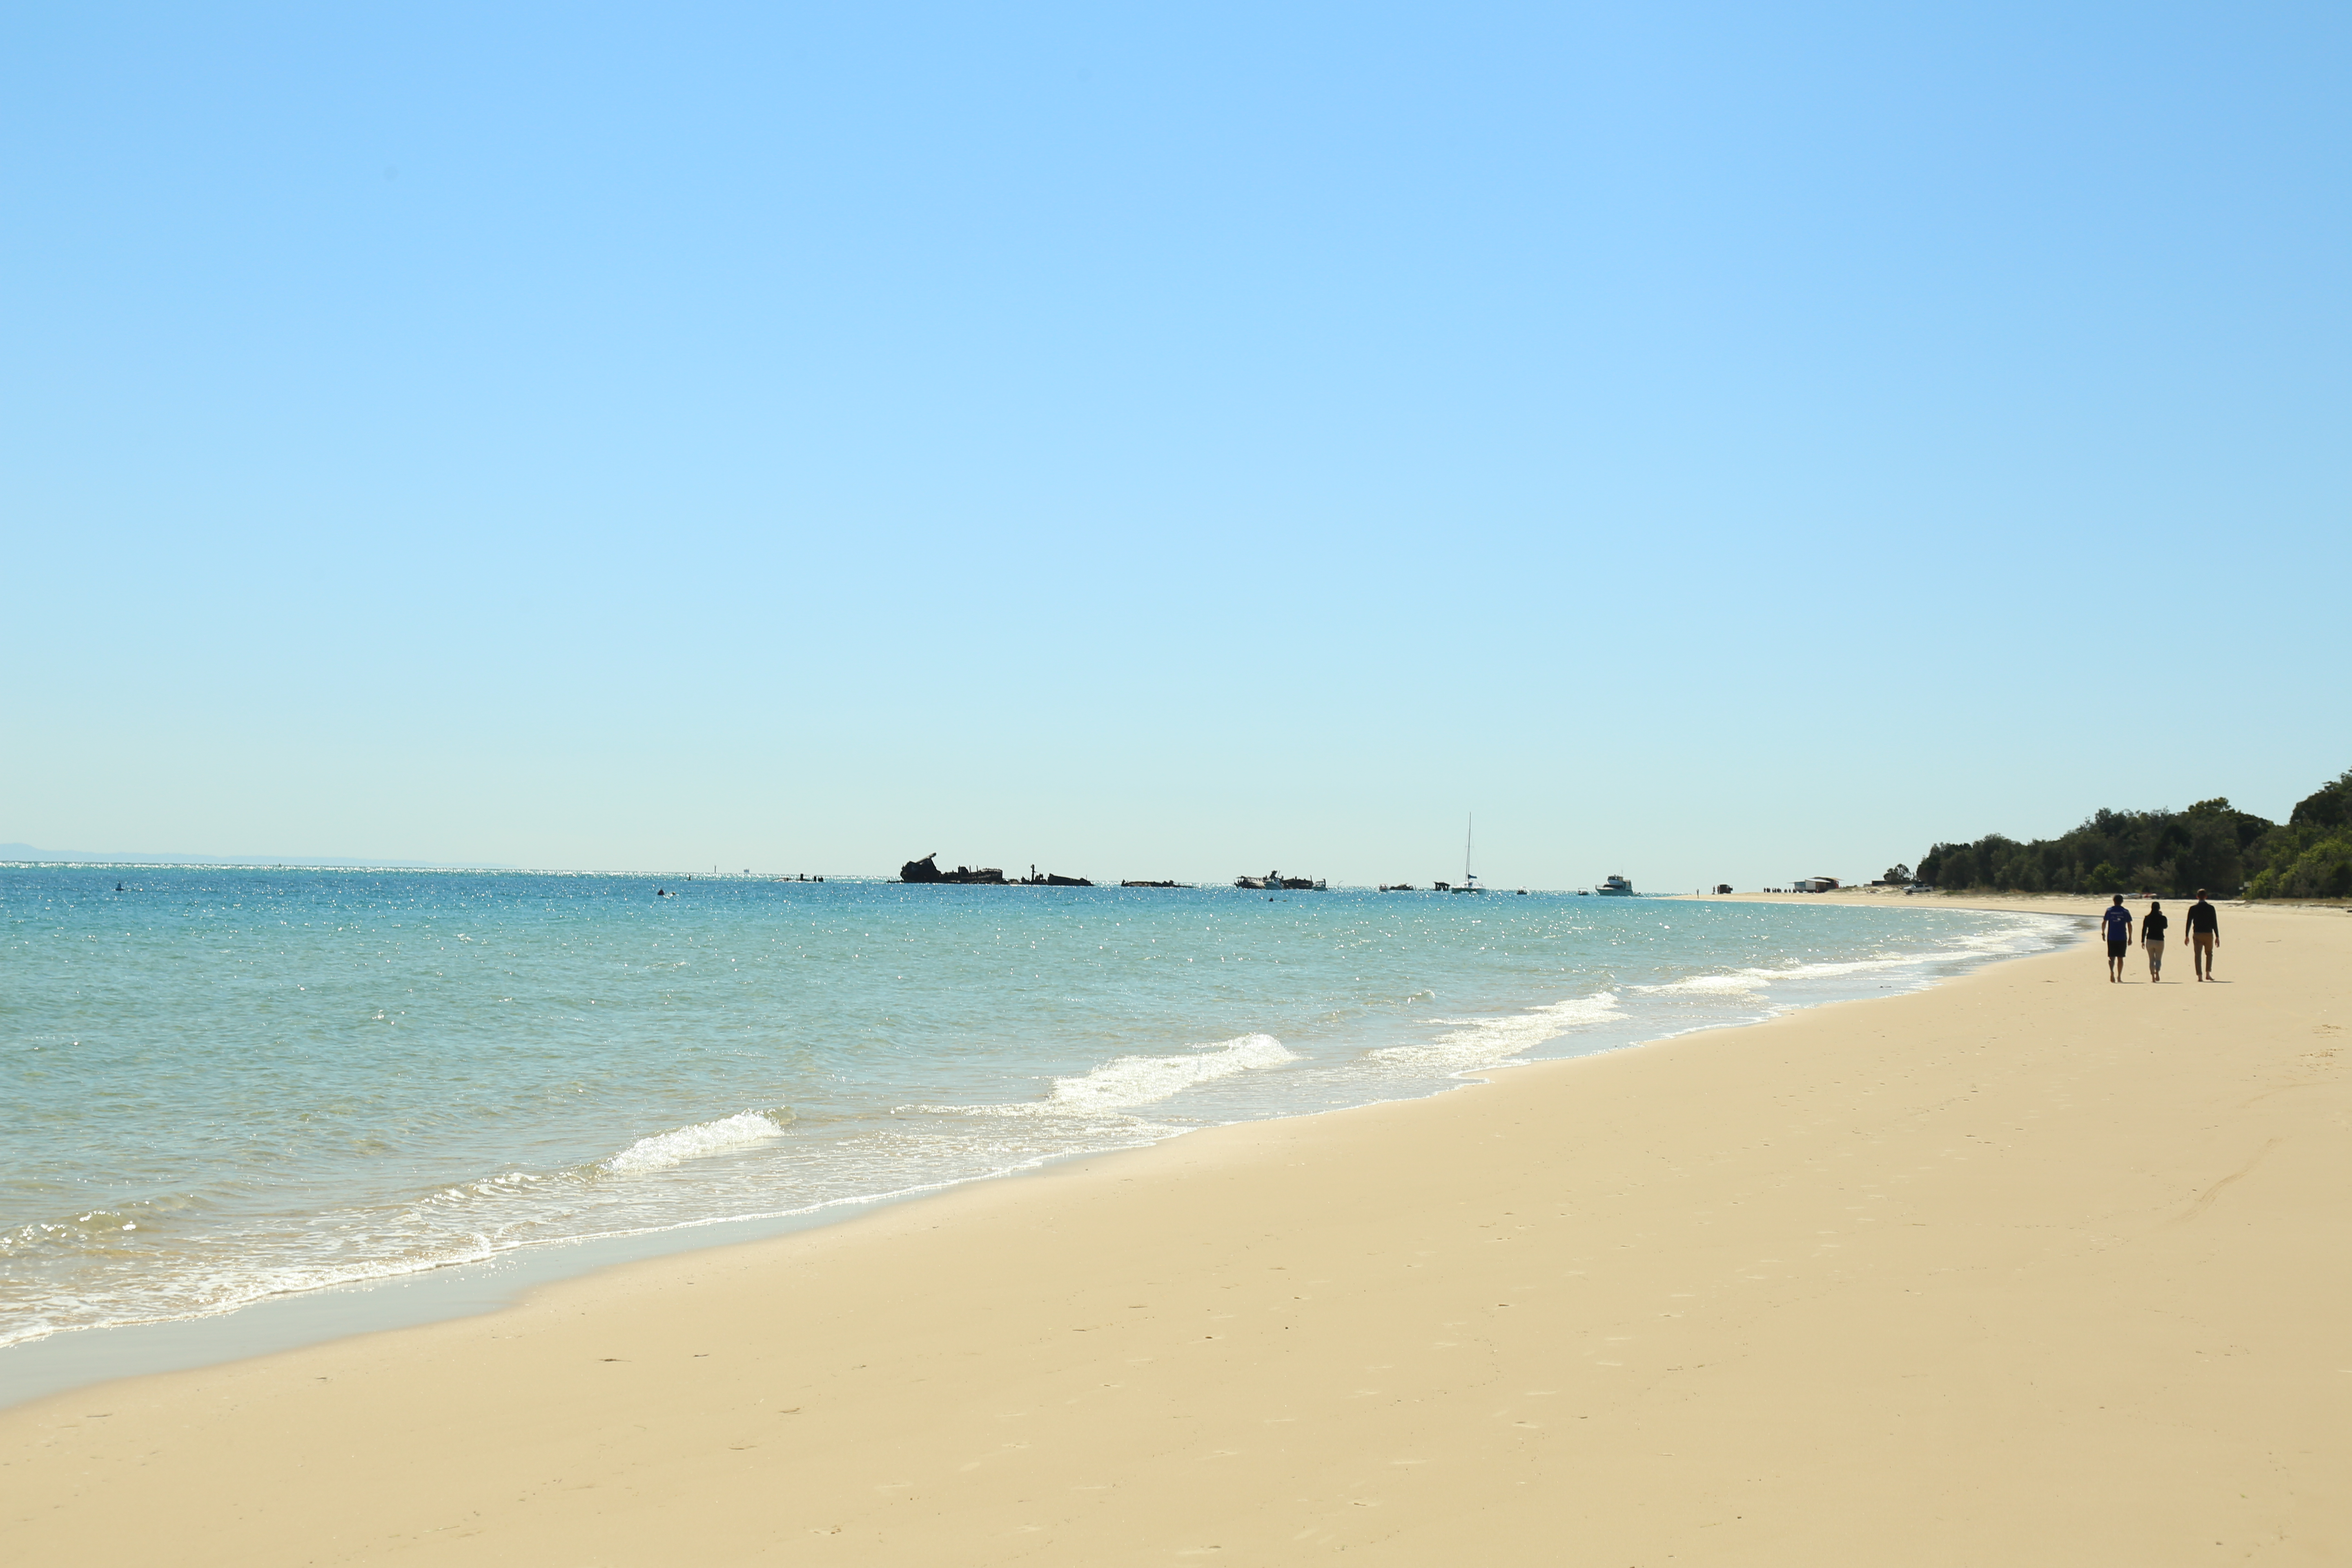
[{"x": 2025, "y": 1268}]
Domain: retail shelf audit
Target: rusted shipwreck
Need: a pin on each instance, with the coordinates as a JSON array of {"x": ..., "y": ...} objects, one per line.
[{"x": 926, "y": 869}]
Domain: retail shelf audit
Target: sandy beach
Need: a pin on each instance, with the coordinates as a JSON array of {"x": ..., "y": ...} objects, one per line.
[{"x": 2025, "y": 1268}]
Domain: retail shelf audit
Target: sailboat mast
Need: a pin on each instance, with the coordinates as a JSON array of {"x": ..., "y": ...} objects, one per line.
[{"x": 1469, "y": 823}]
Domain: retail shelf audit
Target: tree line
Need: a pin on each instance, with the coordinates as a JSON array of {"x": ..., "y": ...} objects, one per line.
[{"x": 2211, "y": 845}]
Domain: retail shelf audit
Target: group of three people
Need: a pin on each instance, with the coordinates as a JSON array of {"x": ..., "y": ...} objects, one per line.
[{"x": 2204, "y": 936}]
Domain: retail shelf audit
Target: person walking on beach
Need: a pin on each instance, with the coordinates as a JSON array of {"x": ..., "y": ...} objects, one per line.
[
  {"x": 2204, "y": 935},
  {"x": 2152, "y": 927},
  {"x": 2118, "y": 923}
]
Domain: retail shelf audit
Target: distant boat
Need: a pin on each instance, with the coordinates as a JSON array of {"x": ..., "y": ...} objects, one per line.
[
  {"x": 1469, "y": 877},
  {"x": 1399, "y": 887},
  {"x": 1275, "y": 881},
  {"x": 1617, "y": 885}
]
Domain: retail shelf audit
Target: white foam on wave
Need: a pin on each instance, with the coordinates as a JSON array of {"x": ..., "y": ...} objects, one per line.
[
  {"x": 1996, "y": 942},
  {"x": 665, "y": 1150},
  {"x": 1710, "y": 984},
  {"x": 1869, "y": 965},
  {"x": 1125, "y": 1084},
  {"x": 1473, "y": 1043}
]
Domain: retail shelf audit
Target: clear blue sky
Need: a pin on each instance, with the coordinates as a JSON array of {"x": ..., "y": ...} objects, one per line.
[{"x": 1707, "y": 441}]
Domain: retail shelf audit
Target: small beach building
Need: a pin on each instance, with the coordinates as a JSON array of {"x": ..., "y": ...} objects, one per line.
[{"x": 1814, "y": 884}]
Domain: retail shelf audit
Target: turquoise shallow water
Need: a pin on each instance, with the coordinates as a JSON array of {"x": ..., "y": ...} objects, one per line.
[{"x": 225, "y": 1085}]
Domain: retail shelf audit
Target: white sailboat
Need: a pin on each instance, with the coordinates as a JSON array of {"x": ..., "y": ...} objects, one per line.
[{"x": 1469, "y": 877}]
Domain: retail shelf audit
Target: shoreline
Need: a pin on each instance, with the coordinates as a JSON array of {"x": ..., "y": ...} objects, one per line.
[
  {"x": 2019, "y": 1267},
  {"x": 77, "y": 1358}
]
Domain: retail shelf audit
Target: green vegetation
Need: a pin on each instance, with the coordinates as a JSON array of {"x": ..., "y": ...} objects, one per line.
[
  {"x": 2213, "y": 844},
  {"x": 2311, "y": 856}
]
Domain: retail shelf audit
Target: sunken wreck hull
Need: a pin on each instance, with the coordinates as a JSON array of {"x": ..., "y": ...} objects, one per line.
[{"x": 926, "y": 869}]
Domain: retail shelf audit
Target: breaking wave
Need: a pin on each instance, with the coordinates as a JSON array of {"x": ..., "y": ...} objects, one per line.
[
  {"x": 1473, "y": 1043},
  {"x": 665, "y": 1150},
  {"x": 1125, "y": 1084}
]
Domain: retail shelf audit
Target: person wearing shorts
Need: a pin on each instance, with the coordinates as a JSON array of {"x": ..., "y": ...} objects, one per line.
[
  {"x": 2204, "y": 935},
  {"x": 2117, "y": 922},
  {"x": 2152, "y": 927}
]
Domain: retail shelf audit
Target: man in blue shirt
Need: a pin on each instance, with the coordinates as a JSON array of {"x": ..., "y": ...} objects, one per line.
[{"x": 2117, "y": 920}]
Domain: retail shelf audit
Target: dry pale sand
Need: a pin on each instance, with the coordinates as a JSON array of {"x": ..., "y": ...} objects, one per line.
[{"x": 2028, "y": 1268}]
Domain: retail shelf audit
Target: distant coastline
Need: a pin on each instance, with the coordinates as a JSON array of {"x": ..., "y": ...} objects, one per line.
[{"x": 26, "y": 854}]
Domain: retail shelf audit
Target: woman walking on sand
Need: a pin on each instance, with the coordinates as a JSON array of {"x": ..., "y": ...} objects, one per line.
[{"x": 2151, "y": 937}]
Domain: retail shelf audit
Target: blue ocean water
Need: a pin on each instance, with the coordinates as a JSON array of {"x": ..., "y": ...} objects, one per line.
[{"x": 225, "y": 1085}]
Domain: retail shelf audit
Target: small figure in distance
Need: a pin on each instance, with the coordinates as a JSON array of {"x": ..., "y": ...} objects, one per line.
[
  {"x": 2204, "y": 935},
  {"x": 2152, "y": 927},
  {"x": 2117, "y": 920}
]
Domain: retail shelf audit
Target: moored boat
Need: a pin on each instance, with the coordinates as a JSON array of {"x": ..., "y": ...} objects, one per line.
[{"x": 1469, "y": 877}]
